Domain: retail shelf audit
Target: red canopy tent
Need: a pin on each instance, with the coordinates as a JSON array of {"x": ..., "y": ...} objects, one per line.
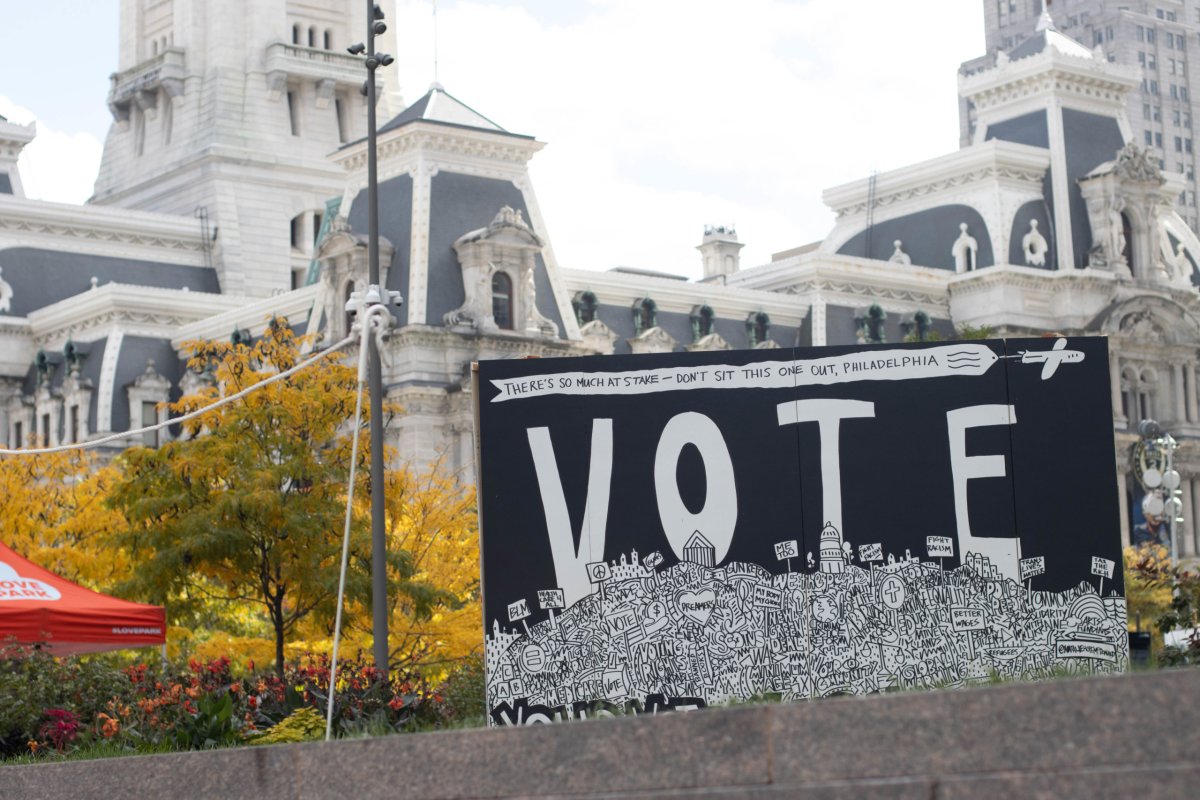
[{"x": 37, "y": 606}]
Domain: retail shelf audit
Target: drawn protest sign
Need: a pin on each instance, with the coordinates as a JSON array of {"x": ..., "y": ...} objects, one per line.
[
  {"x": 1032, "y": 567},
  {"x": 652, "y": 491},
  {"x": 1104, "y": 568},
  {"x": 550, "y": 600},
  {"x": 870, "y": 552},
  {"x": 939, "y": 546},
  {"x": 786, "y": 551},
  {"x": 519, "y": 610}
]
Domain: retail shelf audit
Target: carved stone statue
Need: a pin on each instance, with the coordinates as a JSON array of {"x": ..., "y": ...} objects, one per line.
[
  {"x": 1174, "y": 259},
  {"x": 1140, "y": 325},
  {"x": 535, "y": 322},
  {"x": 965, "y": 250},
  {"x": 1034, "y": 245},
  {"x": 898, "y": 255},
  {"x": 6, "y": 294},
  {"x": 1116, "y": 231},
  {"x": 476, "y": 310},
  {"x": 1136, "y": 164}
]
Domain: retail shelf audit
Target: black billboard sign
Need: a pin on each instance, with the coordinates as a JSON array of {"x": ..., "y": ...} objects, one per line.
[{"x": 671, "y": 531}]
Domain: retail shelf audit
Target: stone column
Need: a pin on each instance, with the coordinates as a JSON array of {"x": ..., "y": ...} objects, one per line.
[
  {"x": 1186, "y": 530},
  {"x": 1193, "y": 412},
  {"x": 1180, "y": 404},
  {"x": 1192, "y": 509},
  {"x": 1114, "y": 378}
]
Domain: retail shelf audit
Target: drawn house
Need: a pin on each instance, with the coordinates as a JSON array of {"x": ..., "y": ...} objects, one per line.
[
  {"x": 831, "y": 549},
  {"x": 628, "y": 568},
  {"x": 700, "y": 551}
]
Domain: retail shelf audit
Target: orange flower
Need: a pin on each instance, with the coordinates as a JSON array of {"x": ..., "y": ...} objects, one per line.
[
  {"x": 109, "y": 727},
  {"x": 34, "y": 745}
]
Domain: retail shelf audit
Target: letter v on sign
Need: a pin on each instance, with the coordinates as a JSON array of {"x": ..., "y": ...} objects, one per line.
[{"x": 570, "y": 564}]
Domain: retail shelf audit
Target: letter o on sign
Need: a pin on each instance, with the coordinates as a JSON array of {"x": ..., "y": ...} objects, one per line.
[{"x": 718, "y": 518}]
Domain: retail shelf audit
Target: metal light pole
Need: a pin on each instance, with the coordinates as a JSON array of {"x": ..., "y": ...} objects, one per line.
[
  {"x": 1155, "y": 469},
  {"x": 379, "y": 607}
]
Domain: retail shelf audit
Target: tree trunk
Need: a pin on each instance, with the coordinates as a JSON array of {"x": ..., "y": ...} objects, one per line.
[{"x": 277, "y": 621}]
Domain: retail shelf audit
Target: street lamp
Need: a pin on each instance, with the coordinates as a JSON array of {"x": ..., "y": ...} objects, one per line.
[
  {"x": 1154, "y": 466},
  {"x": 379, "y": 623}
]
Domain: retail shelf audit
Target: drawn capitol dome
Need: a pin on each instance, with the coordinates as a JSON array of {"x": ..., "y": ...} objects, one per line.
[{"x": 831, "y": 549}]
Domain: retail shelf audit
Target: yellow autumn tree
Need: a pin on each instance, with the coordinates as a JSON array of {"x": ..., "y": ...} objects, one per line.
[
  {"x": 247, "y": 509},
  {"x": 1146, "y": 601},
  {"x": 432, "y": 517},
  {"x": 53, "y": 512}
]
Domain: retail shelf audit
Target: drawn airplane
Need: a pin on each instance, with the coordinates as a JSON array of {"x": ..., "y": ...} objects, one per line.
[{"x": 1052, "y": 358}]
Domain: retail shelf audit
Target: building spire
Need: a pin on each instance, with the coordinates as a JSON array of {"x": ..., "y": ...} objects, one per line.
[
  {"x": 1045, "y": 21},
  {"x": 435, "y": 47}
]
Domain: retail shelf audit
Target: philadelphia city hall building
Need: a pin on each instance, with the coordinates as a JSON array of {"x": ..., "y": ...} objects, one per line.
[{"x": 232, "y": 188}]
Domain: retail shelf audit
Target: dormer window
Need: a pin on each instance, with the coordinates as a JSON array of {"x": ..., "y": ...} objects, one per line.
[
  {"x": 645, "y": 315},
  {"x": 585, "y": 305},
  {"x": 702, "y": 322},
  {"x": 758, "y": 328},
  {"x": 502, "y": 300}
]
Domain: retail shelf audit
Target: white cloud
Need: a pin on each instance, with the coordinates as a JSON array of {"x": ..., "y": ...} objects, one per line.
[
  {"x": 661, "y": 117},
  {"x": 55, "y": 166}
]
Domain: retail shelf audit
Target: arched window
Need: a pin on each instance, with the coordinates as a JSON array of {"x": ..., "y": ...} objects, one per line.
[
  {"x": 1129, "y": 382},
  {"x": 502, "y": 300},
  {"x": 295, "y": 34},
  {"x": 154, "y": 47},
  {"x": 702, "y": 322},
  {"x": 585, "y": 305},
  {"x": 1147, "y": 388},
  {"x": 296, "y": 231},
  {"x": 328, "y": 39},
  {"x": 758, "y": 328},
  {"x": 312, "y": 36},
  {"x": 645, "y": 315},
  {"x": 916, "y": 328}
]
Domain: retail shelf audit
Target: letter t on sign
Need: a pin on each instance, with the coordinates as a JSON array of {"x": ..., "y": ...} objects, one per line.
[
  {"x": 828, "y": 414},
  {"x": 569, "y": 565}
]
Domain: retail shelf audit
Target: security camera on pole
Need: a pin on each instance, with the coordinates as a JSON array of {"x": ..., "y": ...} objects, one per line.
[
  {"x": 1154, "y": 467},
  {"x": 375, "y": 295}
]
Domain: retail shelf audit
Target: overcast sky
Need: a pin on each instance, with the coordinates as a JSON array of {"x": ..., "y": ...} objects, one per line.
[{"x": 660, "y": 116}]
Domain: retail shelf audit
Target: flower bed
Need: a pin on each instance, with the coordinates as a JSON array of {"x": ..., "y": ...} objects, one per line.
[{"x": 56, "y": 706}]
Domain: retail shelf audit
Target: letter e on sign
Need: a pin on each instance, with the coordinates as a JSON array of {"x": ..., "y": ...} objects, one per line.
[{"x": 518, "y": 610}]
